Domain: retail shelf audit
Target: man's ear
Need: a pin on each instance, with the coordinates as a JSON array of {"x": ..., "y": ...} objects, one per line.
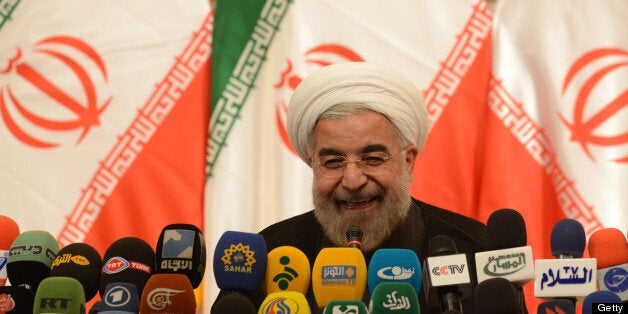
[{"x": 412, "y": 152}]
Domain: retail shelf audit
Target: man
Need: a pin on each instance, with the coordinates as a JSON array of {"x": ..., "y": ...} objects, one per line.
[{"x": 360, "y": 127}]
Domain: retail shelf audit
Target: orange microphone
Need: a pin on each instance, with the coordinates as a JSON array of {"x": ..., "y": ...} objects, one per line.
[{"x": 610, "y": 248}]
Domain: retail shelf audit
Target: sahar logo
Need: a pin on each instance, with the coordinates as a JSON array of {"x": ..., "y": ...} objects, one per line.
[
  {"x": 53, "y": 93},
  {"x": 239, "y": 258},
  {"x": 319, "y": 56},
  {"x": 600, "y": 114}
]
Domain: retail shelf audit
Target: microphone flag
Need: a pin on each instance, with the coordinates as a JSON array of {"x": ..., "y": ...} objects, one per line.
[
  {"x": 394, "y": 297},
  {"x": 288, "y": 270},
  {"x": 120, "y": 298},
  {"x": 394, "y": 265},
  {"x": 181, "y": 250},
  {"x": 240, "y": 261},
  {"x": 59, "y": 295},
  {"x": 292, "y": 302},
  {"x": 338, "y": 274}
]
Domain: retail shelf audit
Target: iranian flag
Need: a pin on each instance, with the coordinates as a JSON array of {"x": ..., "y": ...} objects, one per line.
[
  {"x": 104, "y": 109},
  {"x": 262, "y": 50},
  {"x": 558, "y": 100}
]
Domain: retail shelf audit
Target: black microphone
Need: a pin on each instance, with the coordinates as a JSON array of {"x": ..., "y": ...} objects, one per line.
[
  {"x": 233, "y": 302},
  {"x": 354, "y": 237},
  {"x": 496, "y": 296},
  {"x": 508, "y": 255},
  {"x": 446, "y": 275}
]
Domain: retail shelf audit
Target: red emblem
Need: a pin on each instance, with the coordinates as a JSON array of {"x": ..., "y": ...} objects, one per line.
[
  {"x": 590, "y": 115},
  {"x": 52, "y": 90},
  {"x": 6, "y": 303},
  {"x": 115, "y": 265},
  {"x": 318, "y": 56}
]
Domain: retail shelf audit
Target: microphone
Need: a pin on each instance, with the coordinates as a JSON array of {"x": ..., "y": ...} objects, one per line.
[
  {"x": 288, "y": 270},
  {"x": 16, "y": 299},
  {"x": 82, "y": 262},
  {"x": 233, "y": 303},
  {"x": 59, "y": 295},
  {"x": 181, "y": 250},
  {"x": 569, "y": 275},
  {"x": 10, "y": 231},
  {"x": 129, "y": 260},
  {"x": 508, "y": 254},
  {"x": 394, "y": 297},
  {"x": 345, "y": 306},
  {"x": 292, "y": 302},
  {"x": 338, "y": 274},
  {"x": 496, "y": 296},
  {"x": 120, "y": 298},
  {"x": 168, "y": 293},
  {"x": 354, "y": 237},
  {"x": 394, "y": 265},
  {"x": 611, "y": 303},
  {"x": 240, "y": 261},
  {"x": 610, "y": 248},
  {"x": 30, "y": 258},
  {"x": 556, "y": 306},
  {"x": 447, "y": 275}
]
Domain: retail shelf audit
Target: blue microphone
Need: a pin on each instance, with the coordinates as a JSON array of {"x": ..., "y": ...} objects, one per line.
[
  {"x": 240, "y": 261},
  {"x": 394, "y": 265}
]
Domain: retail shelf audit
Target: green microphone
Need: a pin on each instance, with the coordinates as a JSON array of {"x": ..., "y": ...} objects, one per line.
[
  {"x": 63, "y": 295},
  {"x": 345, "y": 307},
  {"x": 394, "y": 297}
]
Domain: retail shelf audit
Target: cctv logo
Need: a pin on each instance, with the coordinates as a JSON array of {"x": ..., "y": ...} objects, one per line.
[{"x": 448, "y": 270}]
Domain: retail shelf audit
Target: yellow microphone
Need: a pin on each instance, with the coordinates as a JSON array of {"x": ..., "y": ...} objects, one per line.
[
  {"x": 338, "y": 274},
  {"x": 288, "y": 270},
  {"x": 285, "y": 302}
]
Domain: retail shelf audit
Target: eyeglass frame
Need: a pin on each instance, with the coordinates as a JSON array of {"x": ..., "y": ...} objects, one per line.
[{"x": 358, "y": 161}]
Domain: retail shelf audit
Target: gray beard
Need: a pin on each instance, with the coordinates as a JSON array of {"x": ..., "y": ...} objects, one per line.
[{"x": 375, "y": 225}]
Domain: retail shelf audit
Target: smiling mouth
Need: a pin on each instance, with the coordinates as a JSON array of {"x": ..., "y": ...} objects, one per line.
[{"x": 358, "y": 204}]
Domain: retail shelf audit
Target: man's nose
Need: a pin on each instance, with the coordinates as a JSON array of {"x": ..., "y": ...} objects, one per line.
[{"x": 352, "y": 177}]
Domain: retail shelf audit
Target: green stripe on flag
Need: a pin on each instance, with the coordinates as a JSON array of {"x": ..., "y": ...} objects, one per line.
[
  {"x": 7, "y": 9},
  {"x": 243, "y": 32}
]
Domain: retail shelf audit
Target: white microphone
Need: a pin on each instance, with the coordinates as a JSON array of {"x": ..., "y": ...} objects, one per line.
[{"x": 568, "y": 276}]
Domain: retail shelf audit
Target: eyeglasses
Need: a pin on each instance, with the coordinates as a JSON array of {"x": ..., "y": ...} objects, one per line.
[{"x": 365, "y": 161}]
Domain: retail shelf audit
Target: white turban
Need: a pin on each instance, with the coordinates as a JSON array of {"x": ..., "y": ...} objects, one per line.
[{"x": 379, "y": 88}]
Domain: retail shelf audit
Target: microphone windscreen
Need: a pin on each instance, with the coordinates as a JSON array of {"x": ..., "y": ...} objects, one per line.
[
  {"x": 120, "y": 298},
  {"x": 285, "y": 302},
  {"x": 602, "y": 296},
  {"x": 556, "y": 306},
  {"x": 233, "y": 302},
  {"x": 181, "y": 250},
  {"x": 240, "y": 261},
  {"x": 8, "y": 232},
  {"x": 394, "y": 265},
  {"x": 59, "y": 295},
  {"x": 568, "y": 238},
  {"x": 345, "y": 306},
  {"x": 395, "y": 297},
  {"x": 609, "y": 247},
  {"x": 338, "y": 274},
  {"x": 496, "y": 296},
  {"x": 79, "y": 261},
  {"x": 16, "y": 299},
  {"x": 288, "y": 270},
  {"x": 128, "y": 259},
  {"x": 505, "y": 229},
  {"x": 30, "y": 258},
  {"x": 168, "y": 293}
]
